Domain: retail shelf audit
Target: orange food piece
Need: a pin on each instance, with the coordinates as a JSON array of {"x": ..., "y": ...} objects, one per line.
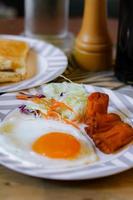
[
  {"x": 97, "y": 103},
  {"x": 101, "y": 122},
  {"x": 108, "y": 131},
  {"x": 107, "y": 121},
  {"x": 22, "y": 97},
  {"x": 115, "y": 138},
  {"x": 53, "y": 115}
]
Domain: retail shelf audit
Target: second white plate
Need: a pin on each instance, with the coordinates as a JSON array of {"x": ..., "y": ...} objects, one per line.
[{"x": 50, "y": 63}]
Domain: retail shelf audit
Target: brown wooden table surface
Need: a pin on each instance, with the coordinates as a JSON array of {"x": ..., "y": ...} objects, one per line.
[
  {"x": 16, "y": 26},
  {"x": 15, "y": 186}
]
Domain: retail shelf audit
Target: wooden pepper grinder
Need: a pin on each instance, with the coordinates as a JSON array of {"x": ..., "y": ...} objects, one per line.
[{"x": 93, "y": 47}]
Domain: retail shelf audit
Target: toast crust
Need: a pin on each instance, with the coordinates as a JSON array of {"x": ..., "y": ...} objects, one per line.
[
  {"x": 10, "y": 77},
  {"x": 13, "y": 54}
]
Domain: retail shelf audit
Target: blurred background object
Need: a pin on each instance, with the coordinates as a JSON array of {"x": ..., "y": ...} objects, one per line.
[
  {"x": 48, "y": 22},
  {"x": 113, "y": 8},
  {"x": 39, "y": 17},
  {"x": 11, "y": 8},
  {"x": 93, "y": 46},
  {"x": 7, "y": 11},
  {"x": 124, "y": 58},
  {"x": 14, "y": 8}
]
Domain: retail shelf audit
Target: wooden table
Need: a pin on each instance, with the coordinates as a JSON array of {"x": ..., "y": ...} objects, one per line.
[
  {"x": 16, "y": 26},
  {"x": 15, "y": 186}
]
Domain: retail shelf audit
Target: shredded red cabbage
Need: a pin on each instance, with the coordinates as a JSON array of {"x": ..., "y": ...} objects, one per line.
[
  {"x": 31, "y": 96},
  {"x": 41, "y": 96},
  {"x": 27, "y": 111}
]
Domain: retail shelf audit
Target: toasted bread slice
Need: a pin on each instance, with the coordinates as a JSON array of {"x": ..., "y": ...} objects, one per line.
[
  {"x": 15, "y": 51},
  {"x": 10, "y": 77},
  {"x": 5, "y": 64}
]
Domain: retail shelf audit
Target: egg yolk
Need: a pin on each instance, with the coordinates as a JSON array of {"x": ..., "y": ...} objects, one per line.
[{"x": 57, "y": 145}]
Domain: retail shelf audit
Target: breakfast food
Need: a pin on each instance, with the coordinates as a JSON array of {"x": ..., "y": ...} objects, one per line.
[
  {"x": 108, "y": 131},
  {"x": 65, "y": 126},
  {"x": 5, "y": 64},
  {"x": 13, "y": 55},
  {"x": 49, "y": 130},
  {"x": 97, "y": 103},
  {"x": 9, "y": 76},
  {"x": 51, "y": 139},
  {"x": 114, "y": 138}
]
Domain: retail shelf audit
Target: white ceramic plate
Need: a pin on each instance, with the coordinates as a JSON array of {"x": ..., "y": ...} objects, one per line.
[
  {"x": 50, "y": 63},
  {"x": 107, "y": 165}
]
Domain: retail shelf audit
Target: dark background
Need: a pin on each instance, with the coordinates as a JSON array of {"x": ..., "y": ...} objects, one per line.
[{"x": 76, "y": 7}]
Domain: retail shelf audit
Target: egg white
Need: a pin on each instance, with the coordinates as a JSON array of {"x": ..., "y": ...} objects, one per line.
[{"x": 19, "y": 131}]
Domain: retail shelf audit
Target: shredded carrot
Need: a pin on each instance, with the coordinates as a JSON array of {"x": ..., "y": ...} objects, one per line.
[
  {"x": 61, "y": 104},
  {"x": 71, "y": 123},
  {"x": 43, "y": 115},
  {"x": 54, "y": 115},
  {"x": 35, "y": 100},
  {"x": 40, "y": 101},
  {"x": 52, "y": 106},
  {"x": 57, "y": 104},
  {"x": 22, "y": 97}
]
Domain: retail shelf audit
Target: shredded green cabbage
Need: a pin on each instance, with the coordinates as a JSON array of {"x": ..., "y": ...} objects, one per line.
[{"x": 74, "y": 95}]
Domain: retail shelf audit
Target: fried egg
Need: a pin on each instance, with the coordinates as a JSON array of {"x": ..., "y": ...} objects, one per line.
[{"x": 48, "y": 142}]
